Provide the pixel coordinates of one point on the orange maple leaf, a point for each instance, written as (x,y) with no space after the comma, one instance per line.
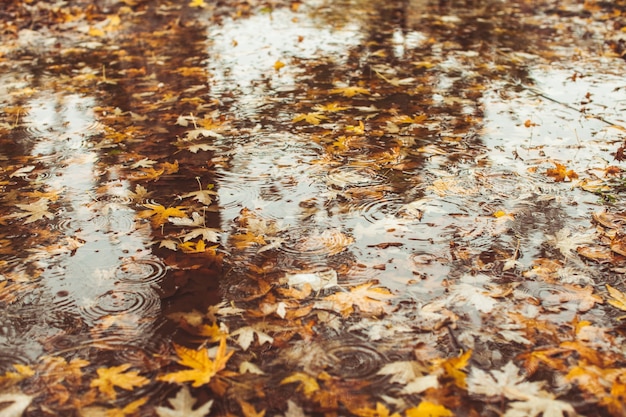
(109,378)
(560,173)
(367,299)
(202,367)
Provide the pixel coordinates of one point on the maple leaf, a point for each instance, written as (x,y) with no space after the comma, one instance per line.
(453,368)
(566,242)
(428,409)
(311,118)
(159,215)
(197,247)
(506,382)
(245,336)
(207,233)
(357,129)
(560,173)
(182,406)
(546,406)
(203,196)
(139,194)
(330,107)
(350,91)
(109,378)
(367,299)
(550,357)
(202,367)
(466,293)
(244,240)
(618,298)
(33,212)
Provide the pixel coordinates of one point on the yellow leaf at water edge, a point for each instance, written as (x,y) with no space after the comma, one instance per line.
(109,378)
(202,367)
(618,298)
(428,409)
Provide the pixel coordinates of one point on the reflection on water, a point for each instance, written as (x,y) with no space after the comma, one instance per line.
(427,159)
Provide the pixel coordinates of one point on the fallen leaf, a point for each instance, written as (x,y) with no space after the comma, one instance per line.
(428,409)
(33,212)
(369,300)
(311,118)
(618,298)
(350,91)
(202,367)
(182,406)
(159,215)
(109,378)
(561,173)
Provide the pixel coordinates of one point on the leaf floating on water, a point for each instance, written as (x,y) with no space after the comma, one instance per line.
(33,212)
(116,376)
(203,368)
(561,173)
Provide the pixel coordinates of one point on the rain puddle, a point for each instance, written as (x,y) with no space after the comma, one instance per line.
(312,208)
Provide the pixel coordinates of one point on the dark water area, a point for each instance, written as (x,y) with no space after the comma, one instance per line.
(352,208)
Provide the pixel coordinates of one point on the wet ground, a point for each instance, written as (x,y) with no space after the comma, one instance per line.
(314,208)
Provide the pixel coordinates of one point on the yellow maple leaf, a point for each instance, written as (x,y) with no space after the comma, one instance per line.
(109,378)
(428,409)
(367,299)
(453,368)
(350,91)
(618,298)
(202,367)
(244,240)
(308,384)
(197,247)
(158,214)
(311,118)
(357,129)
(330,107)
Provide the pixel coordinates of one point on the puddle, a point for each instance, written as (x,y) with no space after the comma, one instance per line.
(352,208)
